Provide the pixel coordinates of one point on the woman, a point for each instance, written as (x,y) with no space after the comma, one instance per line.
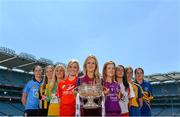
(30,97)
(58,76)
(147,91)
(136,102)
(44,91)
(66,90)
(126,90)
(91,76)
(111,90)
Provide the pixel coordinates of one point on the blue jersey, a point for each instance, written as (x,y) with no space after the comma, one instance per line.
(32,91)
(147,91)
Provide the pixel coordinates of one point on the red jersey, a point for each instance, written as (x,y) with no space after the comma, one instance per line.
(67,98)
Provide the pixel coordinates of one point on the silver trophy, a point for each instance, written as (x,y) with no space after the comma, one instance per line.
(90,92)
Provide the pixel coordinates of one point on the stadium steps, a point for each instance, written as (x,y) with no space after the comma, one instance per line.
(168,111)
(3,114)
(9,110)
(15,106)
(156,111)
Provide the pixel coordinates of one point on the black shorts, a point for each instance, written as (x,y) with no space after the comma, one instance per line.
(31,112)
(43,112)
(91,112)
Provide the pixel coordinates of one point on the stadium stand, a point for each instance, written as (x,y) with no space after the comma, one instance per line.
(16,71)
(14,78)
(166,91)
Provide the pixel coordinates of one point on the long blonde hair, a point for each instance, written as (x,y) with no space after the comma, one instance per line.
(54,78)
(70,63)
(96,73)
(45,77)
(104,70)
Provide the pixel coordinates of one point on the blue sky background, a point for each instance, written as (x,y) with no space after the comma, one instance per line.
(137,33)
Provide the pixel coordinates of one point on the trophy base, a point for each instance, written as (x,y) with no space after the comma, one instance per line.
(90,106)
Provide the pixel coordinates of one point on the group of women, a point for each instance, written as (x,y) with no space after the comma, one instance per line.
(57,93)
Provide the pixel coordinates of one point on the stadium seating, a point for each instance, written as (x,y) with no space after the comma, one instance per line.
(167,111)
(166,99)
(14,78)
(166,89)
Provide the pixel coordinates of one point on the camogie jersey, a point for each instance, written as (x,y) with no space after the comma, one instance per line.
(67,98)
(32,91)
(147,97)
(111,99)
(138,94)
(87,80)
(54,103)
(134,109)
(125,98)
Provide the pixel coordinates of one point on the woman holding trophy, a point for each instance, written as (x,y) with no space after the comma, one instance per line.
(90,101)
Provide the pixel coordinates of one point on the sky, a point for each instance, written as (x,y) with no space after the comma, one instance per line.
(137,33)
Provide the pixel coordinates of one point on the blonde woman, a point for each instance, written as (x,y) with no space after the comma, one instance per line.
(58,76)
(91,71)
(44,91)
(91,76)
(67,88)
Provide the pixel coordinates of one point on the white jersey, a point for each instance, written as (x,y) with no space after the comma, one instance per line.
(123,102)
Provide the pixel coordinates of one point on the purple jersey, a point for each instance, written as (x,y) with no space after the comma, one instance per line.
(111,99)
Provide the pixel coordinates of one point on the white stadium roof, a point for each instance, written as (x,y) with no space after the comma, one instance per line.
(172,76)
(22,61)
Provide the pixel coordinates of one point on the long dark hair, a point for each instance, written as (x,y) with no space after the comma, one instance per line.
(139,69)
(125,82)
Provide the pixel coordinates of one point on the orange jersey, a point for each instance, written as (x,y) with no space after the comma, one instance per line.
(67,98)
